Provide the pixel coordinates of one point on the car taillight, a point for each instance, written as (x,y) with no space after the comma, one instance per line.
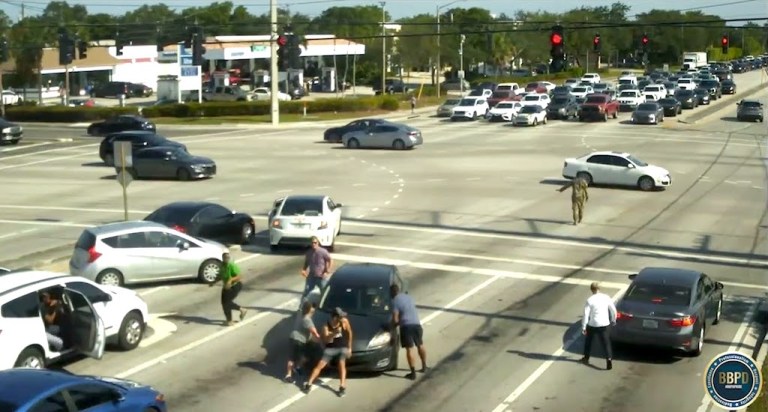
(93,255)
(683,322)
(277,224)
(623,316)
(181,229)
(413,134)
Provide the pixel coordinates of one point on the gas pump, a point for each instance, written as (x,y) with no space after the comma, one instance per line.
(260,78)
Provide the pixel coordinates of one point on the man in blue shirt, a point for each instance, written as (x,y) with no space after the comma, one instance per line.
(405,315)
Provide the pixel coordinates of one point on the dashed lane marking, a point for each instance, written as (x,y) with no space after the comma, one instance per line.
(247,194)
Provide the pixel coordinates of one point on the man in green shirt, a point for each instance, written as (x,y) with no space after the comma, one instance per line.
(229,275)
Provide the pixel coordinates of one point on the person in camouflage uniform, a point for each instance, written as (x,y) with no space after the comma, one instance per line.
(579,196)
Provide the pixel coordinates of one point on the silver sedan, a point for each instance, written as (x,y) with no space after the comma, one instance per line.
(393,136)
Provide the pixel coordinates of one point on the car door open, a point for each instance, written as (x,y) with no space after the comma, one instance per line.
(87,328)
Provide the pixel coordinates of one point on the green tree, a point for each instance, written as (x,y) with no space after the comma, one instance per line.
(417,43)
(26,41)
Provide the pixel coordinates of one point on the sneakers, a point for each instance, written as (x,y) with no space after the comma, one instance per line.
(306,388)
(243,312)
(609,364)
(411,376)
(342,392)
(289,379)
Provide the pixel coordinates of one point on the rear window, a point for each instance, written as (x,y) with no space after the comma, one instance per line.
(647,107)
(172,216)
(661,294)
(750,104)
(293,207)
(504,88)
(560,100)
(596,99)
(86,241)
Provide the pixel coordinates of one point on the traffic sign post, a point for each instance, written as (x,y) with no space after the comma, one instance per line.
(123,160)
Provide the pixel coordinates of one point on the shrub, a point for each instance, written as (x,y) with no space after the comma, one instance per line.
(64,114)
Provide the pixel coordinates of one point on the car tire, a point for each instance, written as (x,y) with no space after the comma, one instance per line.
(586,176)
(246,233)
(545,120)
(109,160)
(131,331)
(398,145)
(394,362)
(719,312)
(535,122)
(110,277)
(183,174)
(209,271)
(30,358)
(646,184)
(353,144)
(15,141)
(699,341)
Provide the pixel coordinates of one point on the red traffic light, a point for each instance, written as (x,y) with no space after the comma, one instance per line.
(596,40)
(282,41)
(725,41)
(645,39)
(556,39)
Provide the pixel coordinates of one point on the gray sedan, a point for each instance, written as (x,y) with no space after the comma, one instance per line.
(393,136)
(648,113)
(671,308)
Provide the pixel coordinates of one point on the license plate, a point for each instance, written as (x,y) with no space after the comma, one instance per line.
(650,324)
(301,225)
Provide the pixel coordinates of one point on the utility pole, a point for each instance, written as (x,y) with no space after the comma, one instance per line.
(461,67)
(273,72)
(383,48)
(3,59)
(438,70)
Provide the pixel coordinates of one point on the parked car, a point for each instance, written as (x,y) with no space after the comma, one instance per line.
(616,168)
(598,106)
(207,220)
(470,108)
(135,252)
(561,91)
(334,134)
(121,123)
(508,87)
(455,84)
(169,162)
(749,110)
(30,390)
(671,106)
(648,113)
(396,136)
(702,95)
(669,308)
(531,115)
(294,220)
(478,92)
(264,94)
(128,89)
(105,315)
(223,94)
(139,140)
(391,86)
(581,91)
(658,91)
(687,98)
(10,132)
(446,109)
(499,96)
(361,290)
(728,86)
(591,77)
(535,99)
(562,107)
(504,111)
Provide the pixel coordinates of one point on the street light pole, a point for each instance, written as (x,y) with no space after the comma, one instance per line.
(383,48)
(461,66)
(438,69)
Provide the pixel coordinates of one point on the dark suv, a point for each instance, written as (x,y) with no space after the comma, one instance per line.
(115,89)
(391,85)
(713,87)
(750,111)
(139,140)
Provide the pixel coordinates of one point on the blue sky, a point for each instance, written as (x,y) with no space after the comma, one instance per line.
(400,8)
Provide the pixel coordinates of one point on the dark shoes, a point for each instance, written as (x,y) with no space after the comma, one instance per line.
(608,362)
(342,392)
(306,388)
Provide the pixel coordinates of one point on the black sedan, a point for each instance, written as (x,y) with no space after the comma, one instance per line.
(671,308)
(728,87)
(139,140)
(169,162)
(687,99)
(362,290)
(10,132)
(648,113)
(749,110)
(702,95)
(334,134)
(120,123)
(671,106)
(206,220)
(713,87)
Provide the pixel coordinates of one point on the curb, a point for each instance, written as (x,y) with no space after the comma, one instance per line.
(714,108)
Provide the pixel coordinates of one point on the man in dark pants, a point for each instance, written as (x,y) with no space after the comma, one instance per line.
(405,315)
(229,275)
(599,314)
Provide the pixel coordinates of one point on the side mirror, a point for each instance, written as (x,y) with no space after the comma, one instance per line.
(184,245)
(338,205)
(719,286)
(630,166)
(632,276)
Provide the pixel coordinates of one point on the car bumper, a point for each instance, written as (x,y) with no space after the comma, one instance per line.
(645,120)
(627,107)
(663,181)
(592,115)
(729,91)
(688,105)
(88,271)
(10,137)
(683,340)
(523,122)
(749,117)
(444,113)
(462,116)
(299,237)
(500,118)
(670,111)
(202,174)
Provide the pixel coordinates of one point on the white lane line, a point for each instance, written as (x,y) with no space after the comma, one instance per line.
(13,149)
(44,223)
(730,182)
(706,401)
(757,187)
(247,194)
(375,209)
(322,187)
(42,152)
(49,160)
(285,191)
(532,378)
(434,180)
(359,184)
(200,342)
(387,202)
(473,179)
(72,209)
(210,199)
(161,329)
(18,233)
(360,216)
(396,196)
(153,290)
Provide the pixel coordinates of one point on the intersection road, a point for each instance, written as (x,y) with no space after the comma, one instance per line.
(483,241)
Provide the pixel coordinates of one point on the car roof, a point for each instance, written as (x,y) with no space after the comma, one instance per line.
(364,273)
(110,228)
(608,152)
(16,279)
(304,197)
(187,205)
(668,276)
(132,133)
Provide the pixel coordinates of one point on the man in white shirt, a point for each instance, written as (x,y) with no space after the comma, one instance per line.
(599,314)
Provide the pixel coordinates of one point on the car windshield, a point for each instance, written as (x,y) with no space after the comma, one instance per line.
(579,89)
(709,83)
(180,154)
(560,100)
(452,102)
(751,104)
(168,215)
(646,107)
(467,102)
(601,86)
(661,294)
(504,87)
(356,299)
(529,109)
(637,161)
(667,101)
(505,105)
(628,94)
(302,206)
(531,98)
(595,99)
(532,85)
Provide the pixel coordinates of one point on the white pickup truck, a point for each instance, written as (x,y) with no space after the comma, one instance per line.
(657,90)
(629,99)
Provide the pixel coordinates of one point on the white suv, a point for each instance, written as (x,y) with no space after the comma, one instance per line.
(470,108)
(591,77)
(94,317)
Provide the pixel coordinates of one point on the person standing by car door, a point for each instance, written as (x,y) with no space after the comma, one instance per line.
(337,334)
(316,269)
(579,197)
(229,275)
(405,315)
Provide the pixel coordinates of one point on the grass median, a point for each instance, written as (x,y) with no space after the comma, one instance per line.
(761,403)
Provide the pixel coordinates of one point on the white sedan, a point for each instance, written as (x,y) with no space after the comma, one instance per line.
(535,99)
(263,93)
(295,220)
(616,168)
(10,97)
(531,116)
(504,111)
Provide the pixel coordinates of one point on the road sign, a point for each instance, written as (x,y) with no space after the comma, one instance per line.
(256,48)
(124,178)
(123,154)
(186,61)
(461,74)
(190,71)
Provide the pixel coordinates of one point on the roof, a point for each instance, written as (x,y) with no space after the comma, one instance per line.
(187,205)
(120,226)
(97,57)
(363,273)
(669,276)
(608,152)
(23,385)
(16,279)
(305,197)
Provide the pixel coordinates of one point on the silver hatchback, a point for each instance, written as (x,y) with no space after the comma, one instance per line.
(137,252)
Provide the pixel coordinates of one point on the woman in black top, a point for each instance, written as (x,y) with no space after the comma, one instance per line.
(337,335)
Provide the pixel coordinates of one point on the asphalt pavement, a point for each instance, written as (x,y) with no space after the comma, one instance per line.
(482,239)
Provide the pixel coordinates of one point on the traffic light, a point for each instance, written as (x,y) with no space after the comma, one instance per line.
(3,50)
(724,43)
(66,47)
(557,40)
(644,42)
(198,46)
(282,52)
(294,52)
(596,43)
(82,49)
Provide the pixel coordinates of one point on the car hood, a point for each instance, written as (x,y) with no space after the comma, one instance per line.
(123,383)
(199,160)
(502,110)
(557,105)
(655,170)
(364,327)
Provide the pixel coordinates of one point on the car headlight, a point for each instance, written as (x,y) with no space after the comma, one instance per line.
(197,168)
(380,340)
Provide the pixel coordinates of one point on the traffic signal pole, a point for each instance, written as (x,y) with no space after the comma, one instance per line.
(273,72)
